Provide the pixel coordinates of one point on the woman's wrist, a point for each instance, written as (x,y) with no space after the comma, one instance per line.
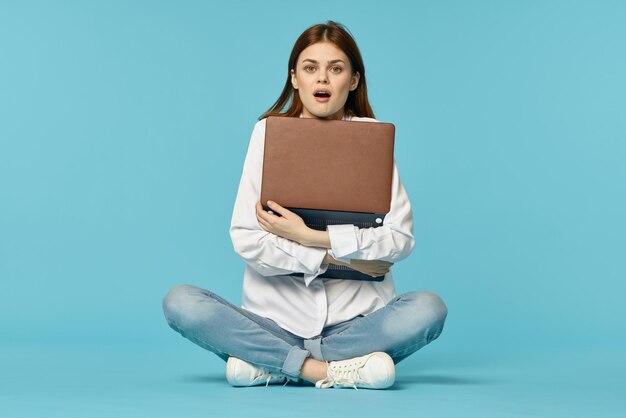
(314,238)
(331,260)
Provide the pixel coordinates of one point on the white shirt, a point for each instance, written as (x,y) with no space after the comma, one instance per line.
(305,305)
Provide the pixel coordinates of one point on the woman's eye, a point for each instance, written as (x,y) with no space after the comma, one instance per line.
(309,68)
(336,69)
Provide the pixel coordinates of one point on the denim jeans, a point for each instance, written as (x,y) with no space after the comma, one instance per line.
(406,324)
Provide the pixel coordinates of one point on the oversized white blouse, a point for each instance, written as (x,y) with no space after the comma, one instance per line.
(305,305)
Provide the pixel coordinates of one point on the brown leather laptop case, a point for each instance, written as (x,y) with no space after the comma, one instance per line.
(329,171)
(328,164)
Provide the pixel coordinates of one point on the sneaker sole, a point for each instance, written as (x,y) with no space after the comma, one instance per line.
(231,369)
(391,372)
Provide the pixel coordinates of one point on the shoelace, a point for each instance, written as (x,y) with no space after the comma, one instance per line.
(270,376)
(346,375)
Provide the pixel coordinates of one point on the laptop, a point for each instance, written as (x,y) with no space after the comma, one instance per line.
(329,172)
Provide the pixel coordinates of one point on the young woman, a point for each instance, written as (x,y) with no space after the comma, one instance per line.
(331,332)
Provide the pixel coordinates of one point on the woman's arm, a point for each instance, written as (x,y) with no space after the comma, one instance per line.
(373,268)
(291,226)
(392,241)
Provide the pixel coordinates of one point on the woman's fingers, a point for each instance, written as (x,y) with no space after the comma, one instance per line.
(263,224)
(375,264)
(277,208)
(261,214)
(260,217)
(371,267)
(274,213)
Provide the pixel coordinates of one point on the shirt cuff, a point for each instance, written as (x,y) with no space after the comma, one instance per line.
(330,253)
(312,259)
(308,278)
(343,241)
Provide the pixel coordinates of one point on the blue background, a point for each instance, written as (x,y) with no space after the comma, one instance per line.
(123,130)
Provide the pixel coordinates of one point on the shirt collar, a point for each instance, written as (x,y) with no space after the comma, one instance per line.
(345,116)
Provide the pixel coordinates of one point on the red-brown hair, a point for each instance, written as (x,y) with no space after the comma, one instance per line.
(357,103)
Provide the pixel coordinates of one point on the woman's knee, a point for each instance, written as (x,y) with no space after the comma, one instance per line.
(428,305)
(178,302)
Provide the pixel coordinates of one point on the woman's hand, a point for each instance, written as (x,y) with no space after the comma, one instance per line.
(372,268)
(290,226)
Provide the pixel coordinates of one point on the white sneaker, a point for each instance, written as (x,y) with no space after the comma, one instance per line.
(372,371)
(242,373)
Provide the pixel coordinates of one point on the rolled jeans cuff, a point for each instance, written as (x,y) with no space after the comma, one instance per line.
(293,362)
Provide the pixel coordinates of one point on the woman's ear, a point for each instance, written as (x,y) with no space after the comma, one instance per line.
(354,81)
(294,80)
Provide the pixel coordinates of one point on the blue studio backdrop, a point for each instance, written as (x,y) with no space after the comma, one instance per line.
(123,131)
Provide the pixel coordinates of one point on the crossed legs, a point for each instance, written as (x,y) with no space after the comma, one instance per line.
(406,324)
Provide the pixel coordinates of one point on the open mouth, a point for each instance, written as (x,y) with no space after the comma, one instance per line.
(322,95)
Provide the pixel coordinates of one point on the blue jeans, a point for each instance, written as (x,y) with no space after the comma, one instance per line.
(406,324)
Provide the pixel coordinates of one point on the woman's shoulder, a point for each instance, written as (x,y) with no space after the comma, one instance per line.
(258,130)
(260,123)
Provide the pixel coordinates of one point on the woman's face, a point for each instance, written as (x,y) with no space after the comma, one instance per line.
(323,77)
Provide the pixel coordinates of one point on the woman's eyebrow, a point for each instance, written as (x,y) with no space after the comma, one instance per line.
(315,62)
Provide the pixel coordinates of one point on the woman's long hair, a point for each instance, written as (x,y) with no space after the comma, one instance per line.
(357,103)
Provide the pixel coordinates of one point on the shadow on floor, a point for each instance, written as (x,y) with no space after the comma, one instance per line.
(402,382)
(406,382)
(211,378)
